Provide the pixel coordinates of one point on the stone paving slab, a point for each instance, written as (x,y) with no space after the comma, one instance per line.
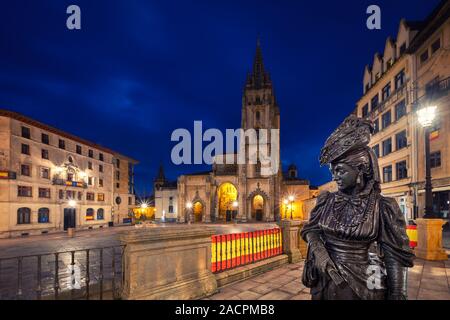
(427,280)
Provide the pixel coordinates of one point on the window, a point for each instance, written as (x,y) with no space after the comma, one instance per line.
(43,215)
(79,151)
(171,209)
(400,140)
(91,153)
(45,139)
(365,110)
(100,182)
(117,163)
(25,149)
(90,181)
(69,176)
(400,79)
(435,46)
(23,191)
(130,201)
(61,194)
(26,132)
(44,173)
(377,76)
(387,146)
(61,144)
(80,195)
(23,215)
(117,185)
(435,159)
(376,126)
(387,174)
(118,175)
(100,168)
(90,196)
(376,150)
(402,172)
(70,195)
(367,87)
(44,154)
(400,110)
(25,170)
(44,193)
(386,119)
(424,56)
(70,159)
(100,214)
(402,48)
(100,197)
(386,91)
(390,62)
(257,115)
(90,165)
(374,102)
(432,86)
(90,214)
(100,157)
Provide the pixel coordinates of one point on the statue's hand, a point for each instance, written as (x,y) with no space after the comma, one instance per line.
(322,260)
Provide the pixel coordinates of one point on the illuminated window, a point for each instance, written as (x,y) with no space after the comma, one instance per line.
(90,214)
(100,197)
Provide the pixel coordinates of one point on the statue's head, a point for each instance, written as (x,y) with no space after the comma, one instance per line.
(352,163)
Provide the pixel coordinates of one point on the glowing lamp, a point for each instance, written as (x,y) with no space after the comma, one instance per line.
(426,115)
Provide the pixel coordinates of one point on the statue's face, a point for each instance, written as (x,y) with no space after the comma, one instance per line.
(344,175)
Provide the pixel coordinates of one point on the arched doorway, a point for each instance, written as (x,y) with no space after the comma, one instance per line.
(226,196)
(257,207)
(197,209)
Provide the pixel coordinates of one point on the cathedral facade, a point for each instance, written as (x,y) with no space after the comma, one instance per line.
(241,191)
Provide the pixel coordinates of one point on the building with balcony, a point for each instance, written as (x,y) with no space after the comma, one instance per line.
(51,180)
(413,67)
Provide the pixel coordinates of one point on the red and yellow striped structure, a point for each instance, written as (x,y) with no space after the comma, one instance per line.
(411,231)
(233,250)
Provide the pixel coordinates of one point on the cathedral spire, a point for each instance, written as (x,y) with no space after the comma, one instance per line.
(258,78)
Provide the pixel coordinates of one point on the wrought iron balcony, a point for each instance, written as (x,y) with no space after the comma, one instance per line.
(433,92)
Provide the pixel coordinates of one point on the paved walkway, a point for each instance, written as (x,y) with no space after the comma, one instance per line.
(427,280)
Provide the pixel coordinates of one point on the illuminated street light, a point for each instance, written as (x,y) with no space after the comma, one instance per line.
(235,204)
(426,116)
(72,203)
(144,205)
(189,205)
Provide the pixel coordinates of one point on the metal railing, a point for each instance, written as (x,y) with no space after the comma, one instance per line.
(229,251)
(93,273)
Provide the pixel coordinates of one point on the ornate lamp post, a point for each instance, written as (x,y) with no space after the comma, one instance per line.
(429,229)
(426,117)
(291,200)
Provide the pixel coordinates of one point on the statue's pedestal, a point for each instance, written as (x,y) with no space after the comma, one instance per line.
(429,239)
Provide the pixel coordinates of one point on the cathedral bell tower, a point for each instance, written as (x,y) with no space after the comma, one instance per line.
(259,108)
(260,111)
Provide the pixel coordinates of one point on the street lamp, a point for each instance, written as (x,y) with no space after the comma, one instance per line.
(426,116)
(72,203)
(286,202)
(291,200)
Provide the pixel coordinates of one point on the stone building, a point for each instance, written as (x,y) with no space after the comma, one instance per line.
(166,198)
(51,180)
(412,66)
(243,191)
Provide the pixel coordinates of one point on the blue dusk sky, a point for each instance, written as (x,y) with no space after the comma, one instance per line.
(137,70)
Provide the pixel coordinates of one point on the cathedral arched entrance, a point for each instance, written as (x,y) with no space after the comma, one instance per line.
(197,210)
(257,212)
(226,197)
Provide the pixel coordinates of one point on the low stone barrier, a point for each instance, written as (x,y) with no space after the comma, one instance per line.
(172,263)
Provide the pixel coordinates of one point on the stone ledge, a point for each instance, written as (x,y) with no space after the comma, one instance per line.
(250,270)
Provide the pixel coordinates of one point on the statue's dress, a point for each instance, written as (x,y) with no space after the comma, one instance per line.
(359,232)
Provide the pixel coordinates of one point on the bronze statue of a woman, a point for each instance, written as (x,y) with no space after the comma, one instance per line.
(357,242)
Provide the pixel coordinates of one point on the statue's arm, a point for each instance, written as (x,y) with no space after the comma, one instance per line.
(395,249)
(311,233)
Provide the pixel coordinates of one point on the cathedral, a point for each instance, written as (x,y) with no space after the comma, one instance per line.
(238,191)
